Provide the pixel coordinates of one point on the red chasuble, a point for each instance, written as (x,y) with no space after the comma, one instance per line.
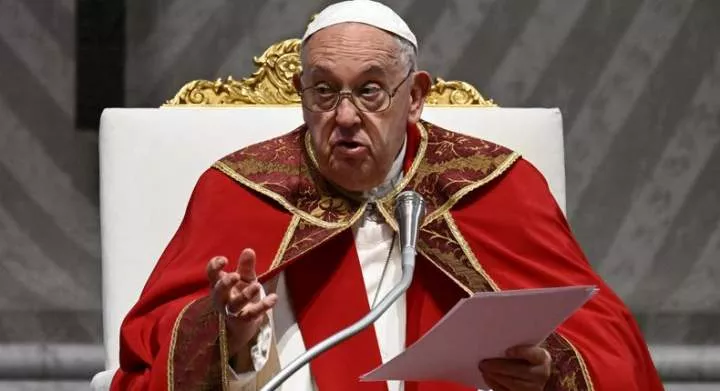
(491,224)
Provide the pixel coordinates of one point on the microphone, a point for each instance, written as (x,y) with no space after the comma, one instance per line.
(409,212)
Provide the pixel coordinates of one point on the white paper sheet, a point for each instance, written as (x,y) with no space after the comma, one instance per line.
(481,327)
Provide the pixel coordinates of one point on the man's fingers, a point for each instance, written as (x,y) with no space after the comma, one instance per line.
(526,368)
(533,354)
(246,265)
(256,309)
(242,295)
(508,368)
(222,288)
(214,267)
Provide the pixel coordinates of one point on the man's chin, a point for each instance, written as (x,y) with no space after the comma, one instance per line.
(352,175)
(352,180)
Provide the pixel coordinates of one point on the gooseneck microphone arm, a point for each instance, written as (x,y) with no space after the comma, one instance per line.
(409,212)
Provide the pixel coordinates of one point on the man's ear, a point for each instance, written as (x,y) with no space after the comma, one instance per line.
(296,82)
(419,90)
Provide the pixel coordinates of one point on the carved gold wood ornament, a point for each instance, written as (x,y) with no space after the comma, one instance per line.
(272,84)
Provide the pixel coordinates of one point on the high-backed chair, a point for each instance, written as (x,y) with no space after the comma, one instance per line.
(151,158)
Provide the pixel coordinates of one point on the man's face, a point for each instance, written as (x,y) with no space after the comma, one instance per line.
(355,149)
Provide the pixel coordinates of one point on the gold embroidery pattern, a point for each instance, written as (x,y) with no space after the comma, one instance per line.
(196,354)
(446,167)
(467,251)
(278,168)
(421,249)
(224,353)
(287,238)
(453,166)
(173,344)
(306,238)
(581,361)
(301,237)
(568,371)
(440,246)
(457,162)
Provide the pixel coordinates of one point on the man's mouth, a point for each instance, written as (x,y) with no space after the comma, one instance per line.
(349,145)
(350,149)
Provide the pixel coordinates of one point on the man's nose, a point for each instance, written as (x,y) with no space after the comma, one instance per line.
(346,114)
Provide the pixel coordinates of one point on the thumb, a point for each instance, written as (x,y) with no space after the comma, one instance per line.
(246,265)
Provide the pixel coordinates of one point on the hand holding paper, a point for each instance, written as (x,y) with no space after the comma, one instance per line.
(525,368)
(481,327)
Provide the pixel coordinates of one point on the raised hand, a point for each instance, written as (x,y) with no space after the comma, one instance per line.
(237,295)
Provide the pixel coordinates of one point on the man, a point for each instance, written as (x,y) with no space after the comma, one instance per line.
(299,235)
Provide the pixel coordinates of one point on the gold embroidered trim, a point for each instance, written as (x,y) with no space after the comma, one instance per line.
(286,241)
(468,251)
(581,361)
(450,276)
(224,353)
(280,199)
(171,353)
(279,261)
(282,262)
(310,150)
(467,189)
(227,170)
(350,223)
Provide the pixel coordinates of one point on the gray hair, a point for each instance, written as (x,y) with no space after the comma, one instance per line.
(406,53)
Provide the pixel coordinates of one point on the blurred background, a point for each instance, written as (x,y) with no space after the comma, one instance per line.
(637,81)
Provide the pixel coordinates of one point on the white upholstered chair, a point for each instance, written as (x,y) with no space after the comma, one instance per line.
(150,160)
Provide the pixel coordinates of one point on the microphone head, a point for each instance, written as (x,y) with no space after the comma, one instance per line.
(409,213)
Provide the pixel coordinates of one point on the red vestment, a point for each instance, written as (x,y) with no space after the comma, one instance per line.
(492,224)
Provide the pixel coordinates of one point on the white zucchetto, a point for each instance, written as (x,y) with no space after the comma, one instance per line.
(361,11)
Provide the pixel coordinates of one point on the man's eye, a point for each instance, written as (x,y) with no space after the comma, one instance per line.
(323,90)
(370,91)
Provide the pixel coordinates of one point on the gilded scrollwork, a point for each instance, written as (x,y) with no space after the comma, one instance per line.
(272,84)
(456,93)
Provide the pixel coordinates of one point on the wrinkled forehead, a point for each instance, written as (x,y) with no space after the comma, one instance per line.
(351,46)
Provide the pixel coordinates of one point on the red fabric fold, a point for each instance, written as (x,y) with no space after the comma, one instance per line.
(521,237)
(328,294)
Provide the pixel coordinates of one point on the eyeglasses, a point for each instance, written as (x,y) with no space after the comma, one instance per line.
(369,99)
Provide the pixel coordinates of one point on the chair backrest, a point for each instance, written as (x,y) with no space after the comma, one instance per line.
(150,159)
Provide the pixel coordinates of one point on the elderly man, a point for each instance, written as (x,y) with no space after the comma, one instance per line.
(300,243)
